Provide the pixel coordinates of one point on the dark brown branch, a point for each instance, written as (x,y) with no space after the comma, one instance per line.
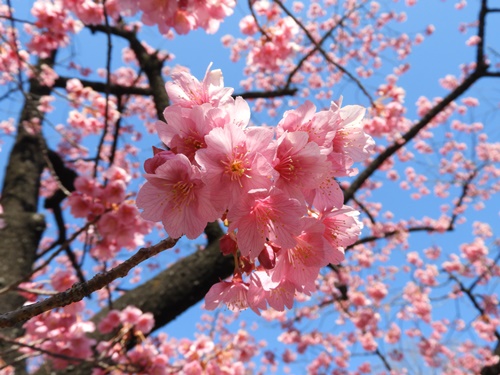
(481,32)
(267,94)
(472,299)
(365,210)
(114,146)
(82,290)
(13,35)
(391,234)
(65,243)
(40,350)
(149,63)
(101,87)
(495,368)
(476,282)
(465,190)
(262,31)
(65,178)
(408,136)
(383,359)
(17,19)
(106,90)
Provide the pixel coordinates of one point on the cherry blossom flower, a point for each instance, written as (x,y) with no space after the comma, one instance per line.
(186,91)
(233,294)
(262,215)
(176,196)
(342,228)
(234,162)
(280,197)
(299,163)
(263,291)
(320,126)
(301,264)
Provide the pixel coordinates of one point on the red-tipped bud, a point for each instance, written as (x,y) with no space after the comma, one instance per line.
(227,245)
(267,257)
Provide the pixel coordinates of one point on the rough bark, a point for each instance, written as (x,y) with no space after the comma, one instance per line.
(21,226)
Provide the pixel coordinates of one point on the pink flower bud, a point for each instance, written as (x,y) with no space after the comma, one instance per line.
(160,157)
(267,257)
(227,245)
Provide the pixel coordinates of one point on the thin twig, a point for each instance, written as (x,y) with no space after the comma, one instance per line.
(321,41)
(106,91)
(252,11)
(325,55)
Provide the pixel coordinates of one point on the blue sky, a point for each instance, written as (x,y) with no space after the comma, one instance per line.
(439,55)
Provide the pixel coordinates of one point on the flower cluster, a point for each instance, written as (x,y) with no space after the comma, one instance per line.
(183,16)
(269,52)
(119,224)
(52,27)
(275,188)
(61,333)
(223,352)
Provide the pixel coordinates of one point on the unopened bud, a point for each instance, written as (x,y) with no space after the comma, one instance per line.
(227,245)
(267,257)
(159,158)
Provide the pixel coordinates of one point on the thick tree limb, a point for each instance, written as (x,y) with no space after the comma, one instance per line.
(22,226)
(120,90)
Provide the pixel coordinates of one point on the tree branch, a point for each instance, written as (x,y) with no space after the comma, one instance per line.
(408,136)
(267,94)
(320,43)
(149,63)
(114,89)
(324,54)
(82,290)
(20,236)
